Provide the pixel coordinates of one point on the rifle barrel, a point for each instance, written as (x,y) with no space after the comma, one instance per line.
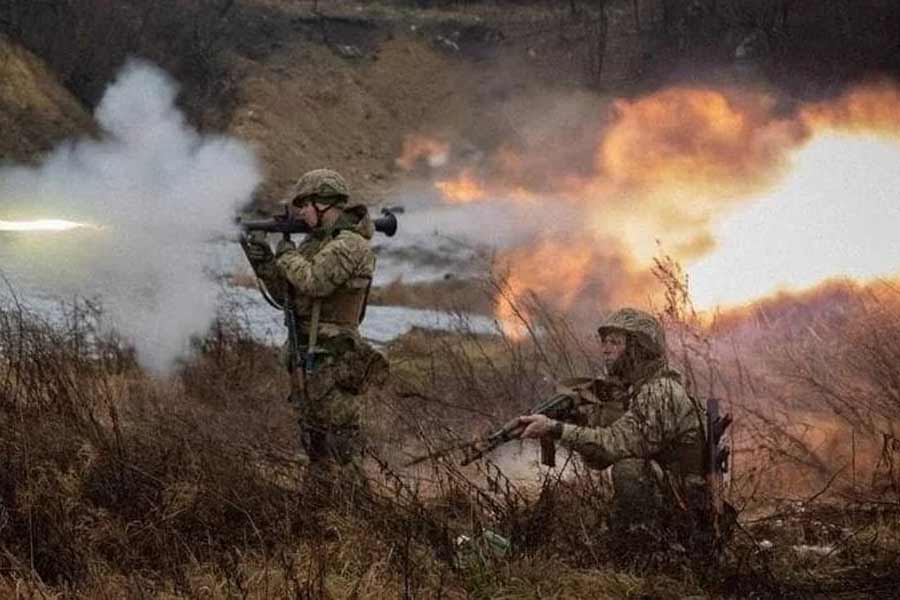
(555,407)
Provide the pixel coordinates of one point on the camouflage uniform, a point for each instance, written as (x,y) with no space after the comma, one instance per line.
(652,435)
(333,266)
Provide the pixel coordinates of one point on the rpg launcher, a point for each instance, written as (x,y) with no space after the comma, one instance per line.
(286,225)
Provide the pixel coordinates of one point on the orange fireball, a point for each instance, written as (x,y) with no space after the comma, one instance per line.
(418,147)
(750,198)
(462,190)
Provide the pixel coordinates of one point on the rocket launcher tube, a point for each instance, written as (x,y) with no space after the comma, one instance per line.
(286,225)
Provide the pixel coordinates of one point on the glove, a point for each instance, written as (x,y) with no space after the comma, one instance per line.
(257,250)
(284,246)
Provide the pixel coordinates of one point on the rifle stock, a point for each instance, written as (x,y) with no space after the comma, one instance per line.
(715,462)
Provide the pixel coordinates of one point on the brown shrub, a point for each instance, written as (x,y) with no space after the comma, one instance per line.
(103,465)
(466,295)
(843,368)
(121,484)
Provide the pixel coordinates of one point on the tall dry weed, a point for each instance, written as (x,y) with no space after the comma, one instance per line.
(846,367)
(102,465)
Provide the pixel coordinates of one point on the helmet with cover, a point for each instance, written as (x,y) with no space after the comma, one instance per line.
(323,186)
(643,327)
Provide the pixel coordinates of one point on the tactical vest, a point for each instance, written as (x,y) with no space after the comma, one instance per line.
(685,458)
(347,305)
(595,394)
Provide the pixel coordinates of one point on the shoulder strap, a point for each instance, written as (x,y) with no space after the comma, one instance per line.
(365,302)
(309,365)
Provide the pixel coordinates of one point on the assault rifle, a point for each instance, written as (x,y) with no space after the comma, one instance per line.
(562,406)
(559,406)
(285,224)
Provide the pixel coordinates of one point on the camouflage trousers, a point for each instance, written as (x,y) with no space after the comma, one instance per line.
(652,513)
(329,404)
(330,432)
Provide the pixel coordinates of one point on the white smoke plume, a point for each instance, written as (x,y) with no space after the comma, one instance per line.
(158,191)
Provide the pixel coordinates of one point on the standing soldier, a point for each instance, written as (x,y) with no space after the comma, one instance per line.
(323,284)
(655,442)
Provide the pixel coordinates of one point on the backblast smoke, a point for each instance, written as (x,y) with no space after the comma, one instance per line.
(156,192)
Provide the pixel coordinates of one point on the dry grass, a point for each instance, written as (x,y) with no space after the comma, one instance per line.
(116,484)
(467,295)
(119,485)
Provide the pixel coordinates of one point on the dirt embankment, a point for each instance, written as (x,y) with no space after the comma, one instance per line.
(344,90)
(36,111)
(341,87)
(308,107)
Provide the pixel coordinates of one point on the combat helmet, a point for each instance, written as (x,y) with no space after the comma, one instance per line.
(644,327)
(323,185)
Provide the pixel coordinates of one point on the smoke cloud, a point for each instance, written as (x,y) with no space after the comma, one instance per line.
(157,191)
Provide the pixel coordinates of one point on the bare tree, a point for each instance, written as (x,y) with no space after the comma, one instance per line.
(598,36)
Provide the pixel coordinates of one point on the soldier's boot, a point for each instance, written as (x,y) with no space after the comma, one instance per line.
(335,472)
(346,447)
(316,487)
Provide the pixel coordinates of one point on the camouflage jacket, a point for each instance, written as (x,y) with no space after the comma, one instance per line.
(661,422)
(335,266)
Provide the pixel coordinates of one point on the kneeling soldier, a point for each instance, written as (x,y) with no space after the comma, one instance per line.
(655,443)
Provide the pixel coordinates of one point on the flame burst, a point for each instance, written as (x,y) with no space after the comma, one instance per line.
(562,273)
(463,189)
(835,215)
(49,225)
(418,147)
(752,199)
(537,270)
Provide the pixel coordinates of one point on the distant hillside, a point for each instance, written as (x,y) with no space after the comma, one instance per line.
(342,83)
(36,111)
